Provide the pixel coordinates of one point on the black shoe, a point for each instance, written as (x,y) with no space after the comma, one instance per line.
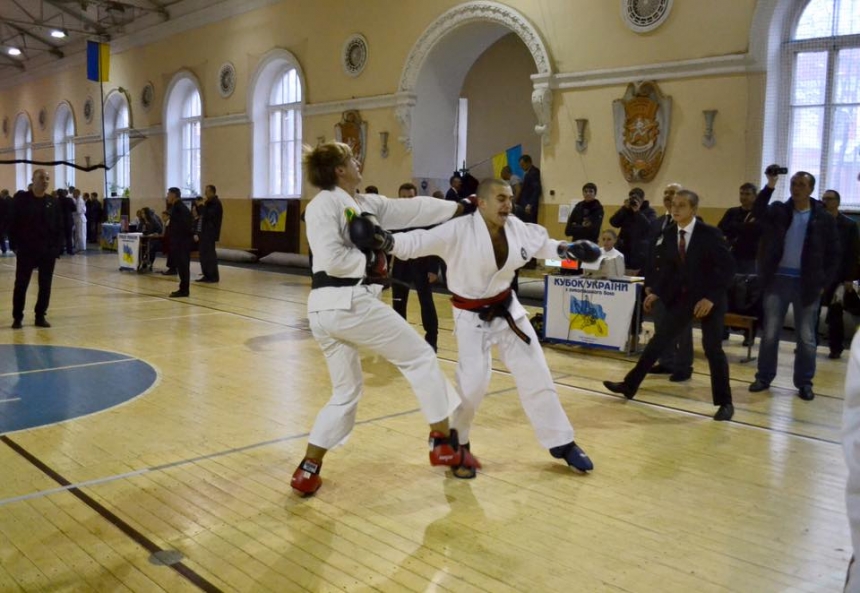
(574,456)
(620,387)
(659,369)
(805,393)
(835,355)
(757,386)
(678,377)
(179,293)
(725,412)
(42,322)
(16,324)
(169,273)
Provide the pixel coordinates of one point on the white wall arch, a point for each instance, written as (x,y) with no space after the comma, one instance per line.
(182,130)
(434,72)
(118,120)
(23,142)
(272,66)
(64,144)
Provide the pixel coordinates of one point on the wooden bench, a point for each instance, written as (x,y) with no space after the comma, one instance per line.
(746,322)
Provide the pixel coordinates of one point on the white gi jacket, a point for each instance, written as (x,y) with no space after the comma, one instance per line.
(336,255)
(465,245)
(851,449)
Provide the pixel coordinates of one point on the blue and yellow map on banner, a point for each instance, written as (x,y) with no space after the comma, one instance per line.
(587,317)
(273,215)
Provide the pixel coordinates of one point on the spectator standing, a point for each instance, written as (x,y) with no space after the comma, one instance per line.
(527,205)
(181,234)
(742,230)
(634,221)
(586,219)
(210,233)
(847,272)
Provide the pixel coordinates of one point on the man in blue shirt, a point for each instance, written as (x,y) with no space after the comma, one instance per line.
(798,260)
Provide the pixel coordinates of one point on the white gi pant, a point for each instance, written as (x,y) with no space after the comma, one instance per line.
(80,236)
(374,325)
(527,364)
(851,449)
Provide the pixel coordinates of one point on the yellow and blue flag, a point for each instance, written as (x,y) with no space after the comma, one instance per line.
(98,61)
(509,158)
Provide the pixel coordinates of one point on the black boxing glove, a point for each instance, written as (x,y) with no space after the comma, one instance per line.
(582,250)
(469,204)
(369,236)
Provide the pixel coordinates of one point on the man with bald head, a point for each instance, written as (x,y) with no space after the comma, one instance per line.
(36,230)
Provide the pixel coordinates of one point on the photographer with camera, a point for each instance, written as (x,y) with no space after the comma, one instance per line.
(634,220)
(798,259)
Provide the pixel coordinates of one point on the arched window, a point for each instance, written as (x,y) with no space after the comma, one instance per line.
(276,109)
(183,121)
(823,111)
(23,150)
(64,145)
(117,126)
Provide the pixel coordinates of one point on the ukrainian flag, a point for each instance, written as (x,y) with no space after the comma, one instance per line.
(98,61)
(510,158)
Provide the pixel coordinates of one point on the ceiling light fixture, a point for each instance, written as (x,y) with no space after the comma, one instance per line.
(13,51)
(59,33)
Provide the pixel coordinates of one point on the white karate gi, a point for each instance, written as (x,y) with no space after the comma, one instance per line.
(345,318)
(851,448)
(466,246)
(80,224)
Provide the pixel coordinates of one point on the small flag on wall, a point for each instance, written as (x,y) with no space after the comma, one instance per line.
(510,158)
(98,61)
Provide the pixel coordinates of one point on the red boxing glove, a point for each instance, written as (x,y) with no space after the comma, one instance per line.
(469,204)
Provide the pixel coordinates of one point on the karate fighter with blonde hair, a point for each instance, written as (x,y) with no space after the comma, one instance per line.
(345,312)
(483,251)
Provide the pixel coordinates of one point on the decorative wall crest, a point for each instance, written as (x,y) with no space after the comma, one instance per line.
(354,55)
(641,130)
(226,79)
(469,12)
(147,96)
(89,110)
(43,118)
(6,126)
(542,104)
(352,131)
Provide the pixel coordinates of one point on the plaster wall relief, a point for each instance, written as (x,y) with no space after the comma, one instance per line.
(642,118)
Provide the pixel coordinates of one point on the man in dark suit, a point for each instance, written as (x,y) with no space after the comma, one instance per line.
(742,230)
(677,360)
(694,270)
(527,206)
(210,233)
(181,235)
(453,194)
(849,241)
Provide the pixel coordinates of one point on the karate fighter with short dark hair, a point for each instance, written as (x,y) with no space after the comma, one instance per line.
(483,251)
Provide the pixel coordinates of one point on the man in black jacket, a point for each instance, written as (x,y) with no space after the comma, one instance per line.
(742,230)
(586,218)
(849,240)
(210,233)
(36,230)
(798,259)
(527,206)
(181,235)
(694,272)
(634,220)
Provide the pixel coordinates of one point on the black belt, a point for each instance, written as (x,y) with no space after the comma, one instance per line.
(323,280)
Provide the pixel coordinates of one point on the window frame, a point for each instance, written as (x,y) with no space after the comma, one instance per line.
(64,145)
(23,150)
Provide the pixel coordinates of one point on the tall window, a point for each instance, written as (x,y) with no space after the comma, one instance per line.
(285,135)
(64,146)
(190,123)
(23,150)
(183,119)
(276,105)
(117,129)
(824,100)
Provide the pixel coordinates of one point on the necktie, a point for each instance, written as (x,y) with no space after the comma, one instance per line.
(682,246)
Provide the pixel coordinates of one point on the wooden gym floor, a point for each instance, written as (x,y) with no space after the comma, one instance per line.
(200,464)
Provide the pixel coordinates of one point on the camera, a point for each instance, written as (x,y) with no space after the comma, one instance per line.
(776,170)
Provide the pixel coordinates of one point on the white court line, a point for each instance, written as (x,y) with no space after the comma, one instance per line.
(71,366)
(11,399)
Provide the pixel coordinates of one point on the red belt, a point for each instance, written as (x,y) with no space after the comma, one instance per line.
(490,308)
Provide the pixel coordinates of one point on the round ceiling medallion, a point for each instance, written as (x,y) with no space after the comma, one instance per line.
(354,55)
(642,16)
(88,110)
(226,79)
(147,95)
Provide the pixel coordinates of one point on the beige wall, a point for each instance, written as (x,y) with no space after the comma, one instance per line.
(499,90)
(580,35)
